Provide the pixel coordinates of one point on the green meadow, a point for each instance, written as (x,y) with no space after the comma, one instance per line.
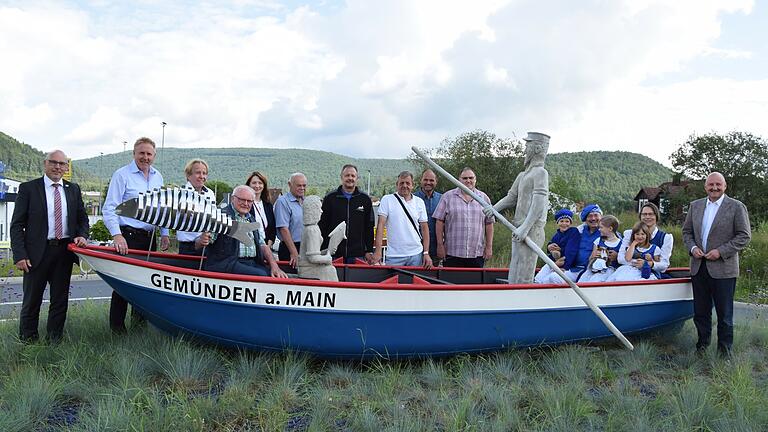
(147,381)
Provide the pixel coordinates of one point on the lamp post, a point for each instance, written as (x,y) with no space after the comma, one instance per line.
(162,143)
(369,182)
(101,173)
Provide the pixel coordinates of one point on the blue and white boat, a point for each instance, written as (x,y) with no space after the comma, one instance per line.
(380,311)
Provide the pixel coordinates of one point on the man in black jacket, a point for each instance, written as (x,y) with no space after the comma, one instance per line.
(48,215)
(349,204)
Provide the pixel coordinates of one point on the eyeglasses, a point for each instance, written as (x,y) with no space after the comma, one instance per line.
(647,214)
(468,178)
(247,201)
(57,163)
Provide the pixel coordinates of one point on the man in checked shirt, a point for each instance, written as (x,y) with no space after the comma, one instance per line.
(464,233)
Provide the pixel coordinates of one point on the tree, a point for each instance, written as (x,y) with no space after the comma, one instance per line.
(496,161)
(740,156)
(221,188)
(100,232)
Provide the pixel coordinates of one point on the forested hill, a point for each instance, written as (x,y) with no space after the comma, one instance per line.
(24,162)
(609,178)
(233,165)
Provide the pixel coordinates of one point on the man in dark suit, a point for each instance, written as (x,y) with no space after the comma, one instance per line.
(49,214)
(715,230)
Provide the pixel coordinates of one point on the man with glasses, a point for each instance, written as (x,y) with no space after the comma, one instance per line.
(228,255)
(464,233)
(289,219)
(48,215)
(126,183)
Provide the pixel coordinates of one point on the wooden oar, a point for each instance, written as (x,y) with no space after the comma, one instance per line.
(533,247)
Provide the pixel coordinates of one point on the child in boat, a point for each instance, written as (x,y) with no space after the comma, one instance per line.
(561,249)
(641,256)
(604,260)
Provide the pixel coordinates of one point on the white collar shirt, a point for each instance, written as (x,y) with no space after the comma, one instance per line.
(49,191)
(710,211)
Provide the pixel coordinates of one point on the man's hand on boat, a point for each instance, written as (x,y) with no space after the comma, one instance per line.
(275,270)
(121,246)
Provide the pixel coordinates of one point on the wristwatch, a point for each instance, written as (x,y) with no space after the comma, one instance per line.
(425,253)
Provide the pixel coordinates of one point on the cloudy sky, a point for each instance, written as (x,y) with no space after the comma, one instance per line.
(371,78)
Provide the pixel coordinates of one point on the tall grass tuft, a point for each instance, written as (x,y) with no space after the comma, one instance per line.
(185,366)
(30,396)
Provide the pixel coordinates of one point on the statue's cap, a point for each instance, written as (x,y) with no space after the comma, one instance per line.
(537,136)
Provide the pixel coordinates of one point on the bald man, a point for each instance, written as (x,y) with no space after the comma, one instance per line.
(715,230)
(49,215)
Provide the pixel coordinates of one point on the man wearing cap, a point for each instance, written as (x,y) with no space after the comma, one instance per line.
(529,196)
(588,232)
(715,230)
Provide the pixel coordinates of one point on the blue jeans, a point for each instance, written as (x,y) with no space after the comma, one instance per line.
(413,260)
(249,266)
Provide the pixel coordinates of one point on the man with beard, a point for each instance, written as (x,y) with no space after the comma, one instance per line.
(353,206)
(431,199)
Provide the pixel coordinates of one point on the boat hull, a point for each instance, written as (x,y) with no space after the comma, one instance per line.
(359,320)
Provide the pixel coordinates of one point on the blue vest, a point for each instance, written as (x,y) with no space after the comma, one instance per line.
(658,239)
(616,249)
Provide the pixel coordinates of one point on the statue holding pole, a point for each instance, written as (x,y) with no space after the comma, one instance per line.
(529,197)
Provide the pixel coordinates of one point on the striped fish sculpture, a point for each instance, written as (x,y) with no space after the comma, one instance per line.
(184,209)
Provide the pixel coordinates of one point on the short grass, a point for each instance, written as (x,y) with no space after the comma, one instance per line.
(752,284)
(147,381)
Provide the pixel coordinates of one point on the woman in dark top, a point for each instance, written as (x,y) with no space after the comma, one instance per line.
(262,208)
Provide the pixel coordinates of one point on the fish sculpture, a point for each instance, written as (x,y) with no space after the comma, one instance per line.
(184,209)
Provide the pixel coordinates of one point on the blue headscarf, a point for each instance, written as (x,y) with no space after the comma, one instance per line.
(589,208)
(564,213)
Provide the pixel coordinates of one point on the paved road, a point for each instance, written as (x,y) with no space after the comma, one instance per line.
(82,288)
(92,287)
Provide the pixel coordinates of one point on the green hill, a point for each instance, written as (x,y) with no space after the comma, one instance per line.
(609,178)
(233,165)
(24,162)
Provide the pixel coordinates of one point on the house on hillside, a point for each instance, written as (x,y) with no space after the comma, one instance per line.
(661,194)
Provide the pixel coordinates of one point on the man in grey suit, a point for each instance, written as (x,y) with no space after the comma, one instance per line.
(715,230)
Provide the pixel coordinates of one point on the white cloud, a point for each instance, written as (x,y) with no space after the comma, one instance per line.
(369,78)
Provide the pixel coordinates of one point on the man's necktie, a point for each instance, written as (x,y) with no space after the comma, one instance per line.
(58,225)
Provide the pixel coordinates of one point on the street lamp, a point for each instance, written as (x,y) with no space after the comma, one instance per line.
(162,143)
(101,173)
(369,182)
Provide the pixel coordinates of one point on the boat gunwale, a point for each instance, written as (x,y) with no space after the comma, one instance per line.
(105,252)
